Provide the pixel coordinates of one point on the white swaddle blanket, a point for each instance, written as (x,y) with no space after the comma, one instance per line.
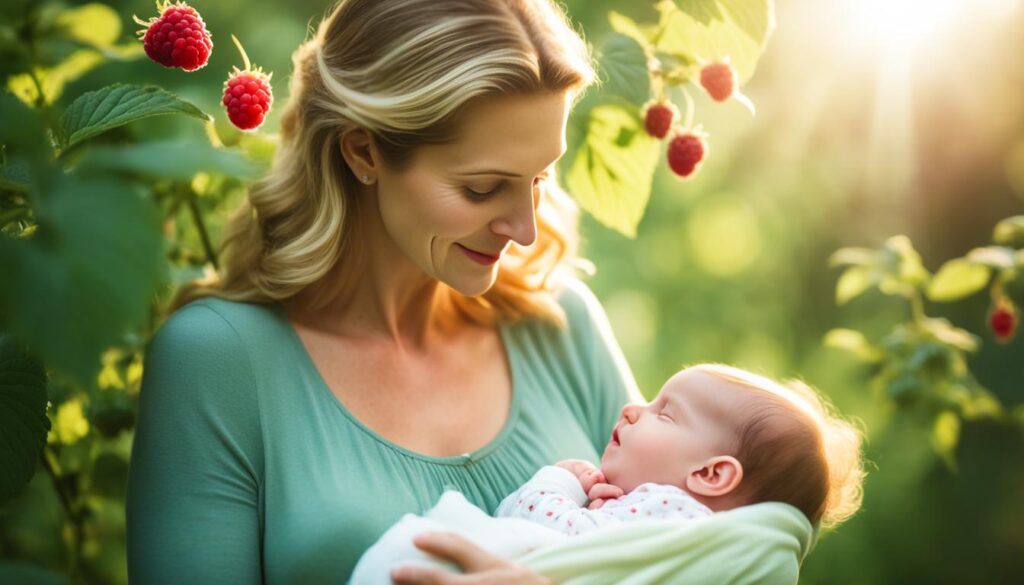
(760,544)
(507,537)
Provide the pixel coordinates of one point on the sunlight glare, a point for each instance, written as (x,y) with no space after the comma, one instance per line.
(897,26)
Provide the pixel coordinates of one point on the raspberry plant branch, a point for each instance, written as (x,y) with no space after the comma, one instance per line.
(71,505)
(197,217)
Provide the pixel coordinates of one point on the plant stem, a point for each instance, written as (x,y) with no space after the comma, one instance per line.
(72,511)
(211,255)
(917,308)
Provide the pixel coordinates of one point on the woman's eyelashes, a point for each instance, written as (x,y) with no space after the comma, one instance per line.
(476,193)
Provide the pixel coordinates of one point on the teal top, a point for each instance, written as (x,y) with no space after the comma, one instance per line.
(246,468)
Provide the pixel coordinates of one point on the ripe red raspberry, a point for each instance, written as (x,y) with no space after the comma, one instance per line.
(685,152)
(177,38)
(247,94)
(719,79)
(1003,320)
(659,117)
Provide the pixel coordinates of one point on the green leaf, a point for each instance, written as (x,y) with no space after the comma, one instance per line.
(854,342)
(25,574)
(852,256)
(612,171)
(625,25)
(54,79)
(957,279)
(948,334)
(716,29)
(94,24)
(179,159)
(23,420)
(86,276)
(95,112)
(993,256)
(909,268)
(1010,232)
(624,70)
(946,436)
(756,19)
(904,389)
(854,281)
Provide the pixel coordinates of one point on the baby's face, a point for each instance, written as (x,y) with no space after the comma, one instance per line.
(664,441)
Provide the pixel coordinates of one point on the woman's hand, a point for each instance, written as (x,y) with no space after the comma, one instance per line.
(480,566)
(586,472)
(602,492)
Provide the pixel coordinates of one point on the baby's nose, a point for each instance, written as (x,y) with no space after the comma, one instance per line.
(629,412)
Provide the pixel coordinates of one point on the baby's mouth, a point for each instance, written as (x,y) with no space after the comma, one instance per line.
(615,435)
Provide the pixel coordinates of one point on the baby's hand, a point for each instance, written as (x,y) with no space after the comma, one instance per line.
(601,492)
(586,472)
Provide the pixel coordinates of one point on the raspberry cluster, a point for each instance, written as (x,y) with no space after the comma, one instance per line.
(1003,320)
(177,38)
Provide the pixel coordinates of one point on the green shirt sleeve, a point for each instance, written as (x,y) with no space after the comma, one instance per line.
(193,497)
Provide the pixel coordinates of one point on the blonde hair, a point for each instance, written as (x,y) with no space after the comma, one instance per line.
(404,70)
(795,448)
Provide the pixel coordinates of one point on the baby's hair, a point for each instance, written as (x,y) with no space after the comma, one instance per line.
(796,448)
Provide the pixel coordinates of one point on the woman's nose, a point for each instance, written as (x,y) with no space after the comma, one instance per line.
(519,222)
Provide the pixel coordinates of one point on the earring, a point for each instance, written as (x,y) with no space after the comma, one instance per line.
(366,179)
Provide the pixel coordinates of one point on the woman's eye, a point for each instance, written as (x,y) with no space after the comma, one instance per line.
(481,195)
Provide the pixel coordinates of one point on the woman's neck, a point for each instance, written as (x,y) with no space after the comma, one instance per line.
(387,299)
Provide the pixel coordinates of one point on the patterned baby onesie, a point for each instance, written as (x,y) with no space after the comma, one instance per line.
(555,498)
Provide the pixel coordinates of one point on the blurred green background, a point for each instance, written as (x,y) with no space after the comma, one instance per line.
(874,118)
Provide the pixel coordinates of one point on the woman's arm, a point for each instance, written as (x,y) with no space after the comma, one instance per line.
(193,487)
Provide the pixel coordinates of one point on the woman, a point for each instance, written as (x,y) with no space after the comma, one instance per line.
(392,318)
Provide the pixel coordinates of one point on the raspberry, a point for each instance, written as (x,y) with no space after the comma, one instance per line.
(177,38)
(685,152)
(658,118)
(247,94)
(719,79)
(1003,320)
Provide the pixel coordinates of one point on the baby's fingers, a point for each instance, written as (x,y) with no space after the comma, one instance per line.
(604,491)
(595,504)
(589,479)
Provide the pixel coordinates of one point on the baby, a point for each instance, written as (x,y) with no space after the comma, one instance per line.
(715,438)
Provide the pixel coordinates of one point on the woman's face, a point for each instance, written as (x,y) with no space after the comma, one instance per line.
(454,211)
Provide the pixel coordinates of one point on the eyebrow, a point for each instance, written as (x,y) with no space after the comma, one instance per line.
(509,174)
(492,172)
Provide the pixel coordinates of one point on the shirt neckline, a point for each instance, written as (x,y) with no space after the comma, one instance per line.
(511,358)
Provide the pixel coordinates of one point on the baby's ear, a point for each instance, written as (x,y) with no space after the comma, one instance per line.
(718,477)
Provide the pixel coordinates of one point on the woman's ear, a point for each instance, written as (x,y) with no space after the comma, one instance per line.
(359,152)
(718,477)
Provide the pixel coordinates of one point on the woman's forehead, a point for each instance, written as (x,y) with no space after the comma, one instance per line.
(516,135)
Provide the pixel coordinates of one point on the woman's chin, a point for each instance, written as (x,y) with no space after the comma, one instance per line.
(471,286)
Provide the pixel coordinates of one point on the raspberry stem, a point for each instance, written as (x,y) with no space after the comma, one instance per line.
(245,58)
(689,108)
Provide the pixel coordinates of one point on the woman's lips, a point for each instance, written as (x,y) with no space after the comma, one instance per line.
(479,257)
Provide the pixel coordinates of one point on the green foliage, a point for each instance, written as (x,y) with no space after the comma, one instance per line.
(617,157)
(98,111)
(922,364)
(611,161)
(85,203)
(23,420)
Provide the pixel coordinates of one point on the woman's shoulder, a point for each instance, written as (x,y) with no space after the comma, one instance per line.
(217,328)
(213,316)
(577,300)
